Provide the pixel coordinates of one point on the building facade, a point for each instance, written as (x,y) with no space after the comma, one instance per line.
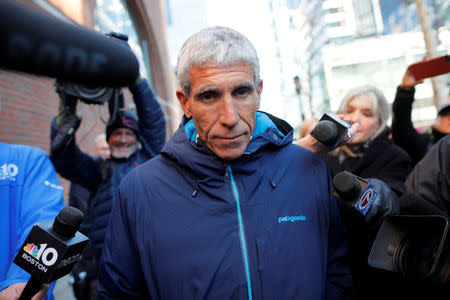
(340,44)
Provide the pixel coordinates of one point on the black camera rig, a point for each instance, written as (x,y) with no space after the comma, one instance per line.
(91,94)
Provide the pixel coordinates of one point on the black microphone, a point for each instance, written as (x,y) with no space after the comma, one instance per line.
(354,190)
(371,198)
(51,250)
(330,130)
(36,43)
(325,132)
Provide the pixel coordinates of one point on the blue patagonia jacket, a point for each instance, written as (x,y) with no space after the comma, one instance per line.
(102,177)
(29,193)
(188,225)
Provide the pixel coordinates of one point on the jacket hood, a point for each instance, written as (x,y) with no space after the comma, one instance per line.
(189,151)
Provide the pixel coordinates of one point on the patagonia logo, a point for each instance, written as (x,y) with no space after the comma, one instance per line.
(291,219)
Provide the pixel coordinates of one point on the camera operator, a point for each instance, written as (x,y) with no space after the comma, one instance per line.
(430,180)
(403,132)
(131,141)
(428,187)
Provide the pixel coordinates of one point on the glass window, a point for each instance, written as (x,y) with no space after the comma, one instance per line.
(115,15)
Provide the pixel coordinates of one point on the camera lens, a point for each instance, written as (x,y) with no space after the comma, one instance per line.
(89,92)
(415,256)
(92,94)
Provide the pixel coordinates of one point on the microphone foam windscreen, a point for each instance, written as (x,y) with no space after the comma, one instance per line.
(68,221)
(34,42)
(346,185)
(325,132)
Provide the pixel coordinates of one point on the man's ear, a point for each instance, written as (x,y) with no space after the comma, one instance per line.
(184,103)
(259,89)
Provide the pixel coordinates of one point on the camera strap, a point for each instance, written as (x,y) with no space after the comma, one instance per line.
(116,104)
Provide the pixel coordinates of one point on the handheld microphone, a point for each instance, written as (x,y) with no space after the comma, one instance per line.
(33,42)
(330,130)
(51,250)
(371,198)
(354,190)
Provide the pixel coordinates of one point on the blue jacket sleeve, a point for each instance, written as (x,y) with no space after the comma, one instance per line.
(75,165)
(339,278)
(152,124)
(40,198)
(120,274)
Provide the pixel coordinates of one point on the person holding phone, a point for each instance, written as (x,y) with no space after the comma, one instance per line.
(403,132)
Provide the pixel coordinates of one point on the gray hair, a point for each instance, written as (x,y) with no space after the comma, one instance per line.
(100,137)
(222,45)
(380,106)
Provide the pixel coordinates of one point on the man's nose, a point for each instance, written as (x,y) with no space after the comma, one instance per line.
(122,138)
(229,112)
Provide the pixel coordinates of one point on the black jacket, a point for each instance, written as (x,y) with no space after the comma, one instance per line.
(431,176)
(403,132)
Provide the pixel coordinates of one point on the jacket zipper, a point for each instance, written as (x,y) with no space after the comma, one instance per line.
(241,232)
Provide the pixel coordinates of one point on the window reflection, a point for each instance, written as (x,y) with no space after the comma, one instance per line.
(113,15)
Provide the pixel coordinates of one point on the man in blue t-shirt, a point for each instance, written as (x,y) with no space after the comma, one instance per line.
(30,193)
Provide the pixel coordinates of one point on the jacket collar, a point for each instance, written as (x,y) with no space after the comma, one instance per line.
(262,123)
(188,150)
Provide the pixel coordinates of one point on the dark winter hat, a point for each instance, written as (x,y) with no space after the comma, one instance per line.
(444,109)
(123,120)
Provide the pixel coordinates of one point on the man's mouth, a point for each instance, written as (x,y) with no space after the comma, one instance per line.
(123,146)
(231,137)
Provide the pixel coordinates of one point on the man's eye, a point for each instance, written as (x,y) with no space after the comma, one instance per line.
(242,91)
(207,96)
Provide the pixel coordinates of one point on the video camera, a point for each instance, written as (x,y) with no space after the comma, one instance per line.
(90,94)
(415,246)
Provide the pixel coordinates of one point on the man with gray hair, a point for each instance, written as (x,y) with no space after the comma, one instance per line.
(230,209)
